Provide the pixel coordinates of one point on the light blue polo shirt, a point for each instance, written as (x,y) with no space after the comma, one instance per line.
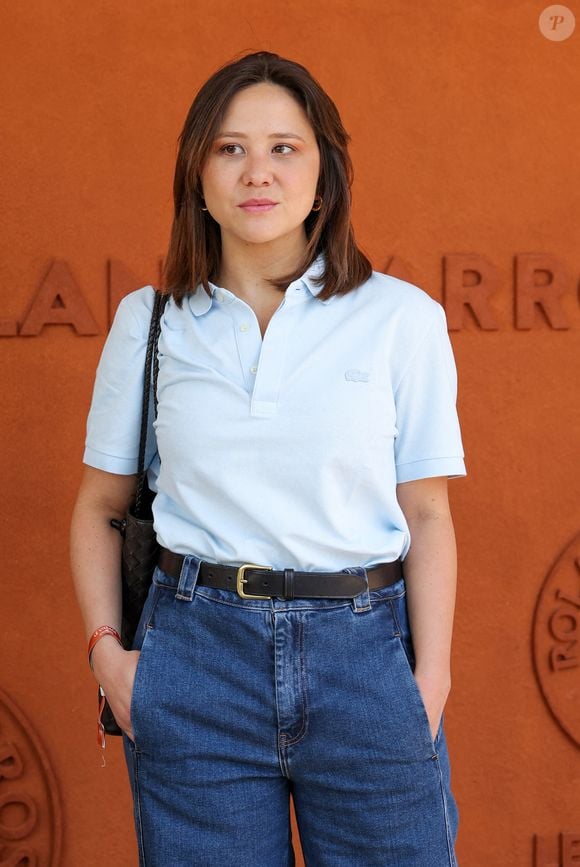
(284,451)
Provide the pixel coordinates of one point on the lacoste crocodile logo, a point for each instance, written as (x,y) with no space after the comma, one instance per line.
(355,375)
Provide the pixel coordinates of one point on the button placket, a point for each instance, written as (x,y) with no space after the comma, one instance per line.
(248,340)
(270,368)
(262,359)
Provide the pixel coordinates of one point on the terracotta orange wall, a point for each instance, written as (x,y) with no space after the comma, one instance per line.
(465,127)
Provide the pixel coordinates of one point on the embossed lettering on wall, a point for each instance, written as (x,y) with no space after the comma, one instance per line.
(562,850)
(470,282)
(30,816)
(59,300)
(556,641)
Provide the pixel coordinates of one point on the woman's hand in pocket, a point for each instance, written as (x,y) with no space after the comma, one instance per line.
(434,692)
(115,670)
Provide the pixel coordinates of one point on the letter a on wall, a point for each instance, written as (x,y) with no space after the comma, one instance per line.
(59,301)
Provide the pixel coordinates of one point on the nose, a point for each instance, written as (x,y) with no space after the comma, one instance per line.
(257,170)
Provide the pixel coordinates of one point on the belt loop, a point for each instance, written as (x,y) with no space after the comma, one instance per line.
(188,578)
(288,583)
(362,601)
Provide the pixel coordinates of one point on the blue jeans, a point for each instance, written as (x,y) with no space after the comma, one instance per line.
(239,702)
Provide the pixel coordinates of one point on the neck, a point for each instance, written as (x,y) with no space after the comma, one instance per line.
(246,268)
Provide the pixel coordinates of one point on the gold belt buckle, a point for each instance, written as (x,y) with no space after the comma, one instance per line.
(240,580)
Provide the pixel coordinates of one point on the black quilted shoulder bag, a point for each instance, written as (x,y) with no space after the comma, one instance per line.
(140,551)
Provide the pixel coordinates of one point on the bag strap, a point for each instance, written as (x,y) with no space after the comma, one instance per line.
(149,380)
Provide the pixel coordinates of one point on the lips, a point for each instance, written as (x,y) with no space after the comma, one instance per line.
(251,202)
(258,206)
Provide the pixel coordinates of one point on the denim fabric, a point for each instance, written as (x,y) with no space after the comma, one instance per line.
(239,702)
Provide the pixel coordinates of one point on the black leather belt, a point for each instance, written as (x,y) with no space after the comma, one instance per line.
(261,582)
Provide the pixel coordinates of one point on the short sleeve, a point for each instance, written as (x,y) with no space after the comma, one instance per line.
(114,420)
(428,441)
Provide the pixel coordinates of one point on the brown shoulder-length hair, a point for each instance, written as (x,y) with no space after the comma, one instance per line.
(194,251)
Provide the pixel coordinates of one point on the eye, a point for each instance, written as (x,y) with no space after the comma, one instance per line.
(225,150)
(284,146)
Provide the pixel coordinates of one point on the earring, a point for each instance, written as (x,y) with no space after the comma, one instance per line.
(202,208)
(319,198)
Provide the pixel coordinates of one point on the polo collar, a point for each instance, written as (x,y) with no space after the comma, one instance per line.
(316,269)
(200,302)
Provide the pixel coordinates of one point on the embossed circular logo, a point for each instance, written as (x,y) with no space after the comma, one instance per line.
(30,814)
(556,640)
(557,23)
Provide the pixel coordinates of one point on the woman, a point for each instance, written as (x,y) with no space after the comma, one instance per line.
(306,423)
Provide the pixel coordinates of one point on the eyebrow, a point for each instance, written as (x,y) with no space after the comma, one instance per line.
(231,134)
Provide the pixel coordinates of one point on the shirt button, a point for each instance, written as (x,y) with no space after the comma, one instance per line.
(244,326)
(253,369)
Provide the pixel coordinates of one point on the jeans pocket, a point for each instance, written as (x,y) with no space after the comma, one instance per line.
(406,652)
(142,643)
(408,662)
(134,691)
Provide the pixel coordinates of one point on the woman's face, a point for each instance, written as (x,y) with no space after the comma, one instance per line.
(265,149)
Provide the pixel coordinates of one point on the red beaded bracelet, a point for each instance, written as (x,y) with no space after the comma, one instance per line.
(100,633)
